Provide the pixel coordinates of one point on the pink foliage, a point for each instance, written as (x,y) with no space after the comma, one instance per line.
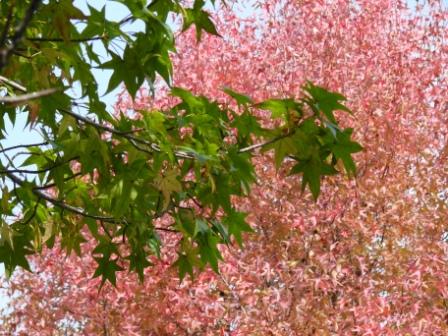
(369,258)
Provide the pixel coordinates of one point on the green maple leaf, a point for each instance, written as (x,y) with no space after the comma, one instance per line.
(239,98)
(107,269)
(312,171)
(326,101)
(343,149)
(279,107)
(167,185)
(236,224)
(184,265)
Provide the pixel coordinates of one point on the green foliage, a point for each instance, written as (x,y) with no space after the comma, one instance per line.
(115,177)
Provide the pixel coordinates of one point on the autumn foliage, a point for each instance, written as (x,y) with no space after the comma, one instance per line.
(369,258)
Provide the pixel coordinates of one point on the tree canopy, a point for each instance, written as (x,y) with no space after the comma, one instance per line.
(117,175)
(367,258)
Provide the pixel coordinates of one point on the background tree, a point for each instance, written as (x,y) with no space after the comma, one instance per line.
(113,177)
(368,259)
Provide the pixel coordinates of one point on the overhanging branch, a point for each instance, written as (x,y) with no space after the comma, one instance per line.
(63,205)
(28,96)
(5,53)
(23,146)
(78,211)
(15,85)
(59,39)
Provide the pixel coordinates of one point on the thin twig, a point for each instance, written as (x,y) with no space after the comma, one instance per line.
(126,20)
(51,185)
(28,96)
(78,211)
(39,171)
(106,231)
(165,229)
(21,55)
(61,204)
(262,144)
(15,85)
(132,139)
(59,39)
(23,146)
(19,32)
(7,25)
(33,213)
(153,146)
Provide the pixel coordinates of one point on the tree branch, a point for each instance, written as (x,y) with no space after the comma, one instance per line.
(39,171)
(5,53)
(61,204)
(28,96)
(59,39)
(165,229)
(132,139)
(15,85)
(73,209)
(33,214)
(51,185)
(262,144)
(7,25)
(22,146)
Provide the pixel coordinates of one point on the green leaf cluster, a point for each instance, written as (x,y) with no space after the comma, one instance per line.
(114,178)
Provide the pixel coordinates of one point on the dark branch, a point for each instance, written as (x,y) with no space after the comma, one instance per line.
(21,55)
(132,139)
(165,229)
(51,185)
(39,171)
(61,204)
(7,25)
(33,214)
(5,53)
(106,230)
(78,211)
(23,146)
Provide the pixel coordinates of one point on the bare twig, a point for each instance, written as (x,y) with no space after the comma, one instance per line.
(51,185)
(15,85)
(58,39)
(22,146)
(165,229)
(134,140)
(106,231)
(39,171)
(5,53)
(33,214)
(28,96)
(7,25)
(262,144)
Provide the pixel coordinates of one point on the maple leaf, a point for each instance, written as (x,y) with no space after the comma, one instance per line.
(167,184)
